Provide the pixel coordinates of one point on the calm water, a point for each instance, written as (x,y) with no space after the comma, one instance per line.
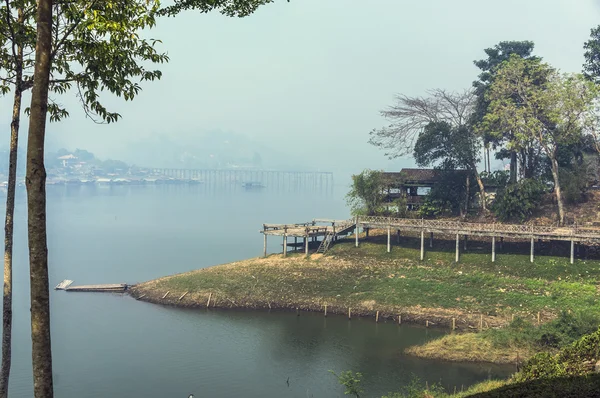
(113,346)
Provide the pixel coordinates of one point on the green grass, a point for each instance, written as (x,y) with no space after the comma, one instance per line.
(371,279)
(510,285)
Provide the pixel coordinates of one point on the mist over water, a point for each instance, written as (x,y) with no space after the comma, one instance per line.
(107,345)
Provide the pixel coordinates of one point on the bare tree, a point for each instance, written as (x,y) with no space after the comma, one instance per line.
(410,116)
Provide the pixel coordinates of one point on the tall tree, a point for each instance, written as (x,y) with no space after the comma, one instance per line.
(11,57)
(410,117)
(80,46)
(536,103)
(35,181)
(102,46)
(496,55)
(591,67)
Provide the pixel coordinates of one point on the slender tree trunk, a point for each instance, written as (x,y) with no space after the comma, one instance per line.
(488,160)
(481,187)
(9,222)
(513,167)
(530,163)
(468,189)
(557,191)
(36,208)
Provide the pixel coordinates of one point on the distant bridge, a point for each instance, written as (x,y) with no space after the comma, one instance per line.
(316,180)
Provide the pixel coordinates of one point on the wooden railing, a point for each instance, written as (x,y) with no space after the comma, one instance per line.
(486,228)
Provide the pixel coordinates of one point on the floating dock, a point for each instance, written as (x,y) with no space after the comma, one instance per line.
(109,288)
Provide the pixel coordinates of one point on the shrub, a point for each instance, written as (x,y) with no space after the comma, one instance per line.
(518,201)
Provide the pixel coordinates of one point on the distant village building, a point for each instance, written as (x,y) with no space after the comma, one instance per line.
(67,159)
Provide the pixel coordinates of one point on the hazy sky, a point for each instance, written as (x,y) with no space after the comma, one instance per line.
(309,77)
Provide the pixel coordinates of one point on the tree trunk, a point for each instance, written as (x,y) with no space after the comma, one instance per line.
(513,167)
(35,180)
(9,221)
(481,187)
(468,189)
(488,160)
(557,192)
(530,163)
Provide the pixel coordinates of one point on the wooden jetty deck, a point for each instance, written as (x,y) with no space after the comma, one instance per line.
(574,234)
(109,288)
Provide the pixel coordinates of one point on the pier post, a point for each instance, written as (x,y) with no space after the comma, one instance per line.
(295,243)
(398,232)
(389,237)
(572,251)
(265,244)
(493,249)
(457,247)
(466,239)
(431,240)
(356,232)
(422,245)
(285,241)
(306,244)
(532,249)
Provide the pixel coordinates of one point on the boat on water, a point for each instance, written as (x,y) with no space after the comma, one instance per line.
(252,185)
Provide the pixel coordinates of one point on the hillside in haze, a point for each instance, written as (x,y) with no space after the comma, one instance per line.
(213,149)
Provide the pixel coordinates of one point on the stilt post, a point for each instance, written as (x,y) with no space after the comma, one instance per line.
(389,237)
(572,251)
(306,241)
(284,241)
(493,249)
(356,232)
(422,245)
(431,240)
(265,241)
(531,257)
(457,247)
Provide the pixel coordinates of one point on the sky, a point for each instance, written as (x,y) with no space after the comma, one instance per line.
(309,77)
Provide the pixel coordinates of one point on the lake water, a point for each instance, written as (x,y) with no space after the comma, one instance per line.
(107,345)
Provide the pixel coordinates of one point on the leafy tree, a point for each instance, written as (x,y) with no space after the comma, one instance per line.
(366,193)
(351,381)
(450,148)
(591,67)
(447,195)
(537,104)
(417,120)
(96,48)
(496,56)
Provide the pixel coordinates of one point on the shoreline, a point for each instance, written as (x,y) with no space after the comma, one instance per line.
(475,295)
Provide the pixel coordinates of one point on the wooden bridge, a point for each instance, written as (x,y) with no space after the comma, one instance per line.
(280,179)
(573,234)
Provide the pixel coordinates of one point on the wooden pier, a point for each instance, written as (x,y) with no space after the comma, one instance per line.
(575,234)
(108,288)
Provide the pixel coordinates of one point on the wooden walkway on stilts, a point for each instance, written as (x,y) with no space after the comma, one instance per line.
(573,234)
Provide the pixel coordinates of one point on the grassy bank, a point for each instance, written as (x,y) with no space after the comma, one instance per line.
(367,279)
